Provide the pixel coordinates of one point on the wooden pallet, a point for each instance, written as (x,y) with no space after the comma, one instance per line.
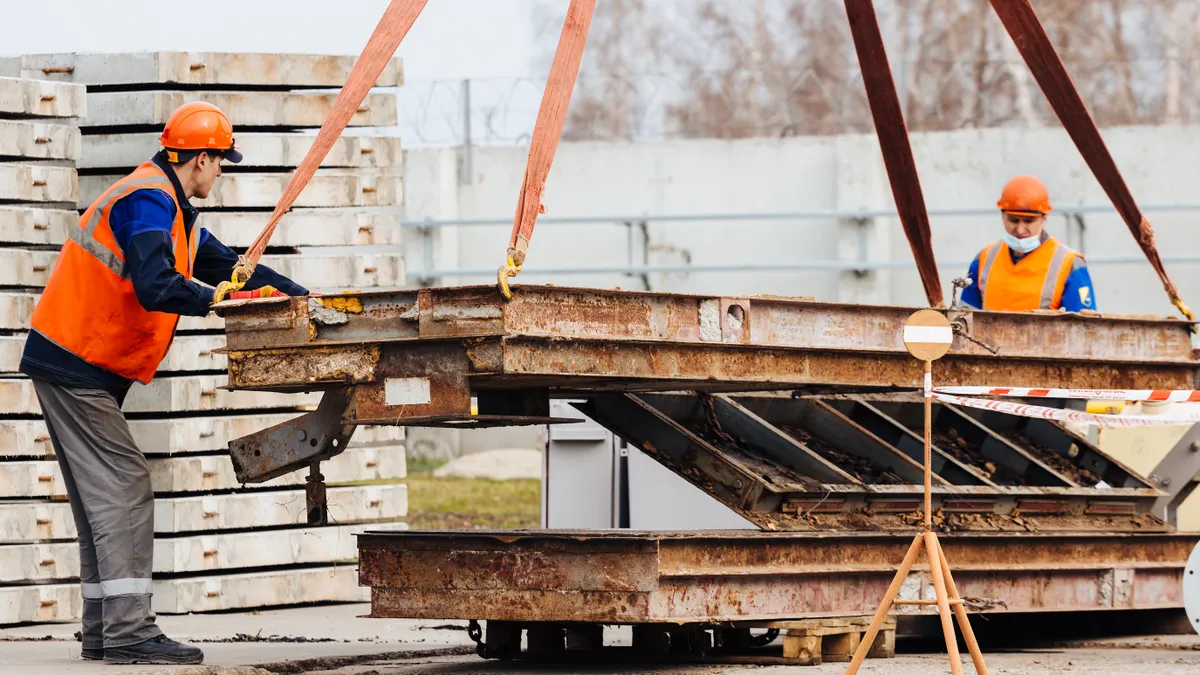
(808,642)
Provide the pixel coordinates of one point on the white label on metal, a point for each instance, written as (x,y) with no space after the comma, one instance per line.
(406,391)
(931,334)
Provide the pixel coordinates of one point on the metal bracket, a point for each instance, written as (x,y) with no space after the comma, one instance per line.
(298,443)
(1191,589)
(1178,475)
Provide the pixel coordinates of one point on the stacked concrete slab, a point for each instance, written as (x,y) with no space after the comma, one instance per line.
(39,146)
(219,545)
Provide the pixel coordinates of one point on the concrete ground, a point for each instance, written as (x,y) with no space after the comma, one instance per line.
(308,638)
(332,640)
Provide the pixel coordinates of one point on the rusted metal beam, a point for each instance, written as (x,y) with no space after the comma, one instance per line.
(795,477)
(640,577)
(591,340)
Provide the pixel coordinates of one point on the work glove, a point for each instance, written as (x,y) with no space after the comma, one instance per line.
(227,290)
(264,292)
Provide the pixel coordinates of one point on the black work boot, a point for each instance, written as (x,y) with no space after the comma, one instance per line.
(161,650)
(93,654)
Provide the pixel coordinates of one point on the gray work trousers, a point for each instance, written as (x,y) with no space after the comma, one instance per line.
(108,482)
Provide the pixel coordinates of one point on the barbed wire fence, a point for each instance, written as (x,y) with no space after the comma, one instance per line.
(938,96)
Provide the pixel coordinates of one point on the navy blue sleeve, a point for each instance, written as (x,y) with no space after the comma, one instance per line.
(215,261)
(141,224)
(970,295)
(1078,292)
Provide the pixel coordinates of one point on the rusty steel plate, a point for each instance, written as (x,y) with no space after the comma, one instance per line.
(668,577)
(596,340)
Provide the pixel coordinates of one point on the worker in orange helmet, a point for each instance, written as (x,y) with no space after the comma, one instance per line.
(135,263)
(1028,269)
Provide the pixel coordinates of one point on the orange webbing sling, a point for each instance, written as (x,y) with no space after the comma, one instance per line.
(1026,30)
(395,24)
(546,132)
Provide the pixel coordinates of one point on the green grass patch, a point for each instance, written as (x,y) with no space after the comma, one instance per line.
(472,503)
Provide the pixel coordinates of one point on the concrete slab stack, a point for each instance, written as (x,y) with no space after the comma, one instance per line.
(219,545)
(39,146)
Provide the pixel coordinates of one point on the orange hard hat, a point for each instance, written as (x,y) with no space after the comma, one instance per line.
(1025,194)
(199,126)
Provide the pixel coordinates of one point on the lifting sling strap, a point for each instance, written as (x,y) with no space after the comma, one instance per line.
(552,115)
(1026,29)
(894,142)
(397,19)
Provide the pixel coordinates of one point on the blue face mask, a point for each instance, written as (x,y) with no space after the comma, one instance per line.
(1022,245)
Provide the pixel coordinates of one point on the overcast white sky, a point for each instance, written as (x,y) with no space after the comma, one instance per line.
(452,39)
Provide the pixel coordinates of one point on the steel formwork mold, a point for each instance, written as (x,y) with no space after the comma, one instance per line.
(673,577)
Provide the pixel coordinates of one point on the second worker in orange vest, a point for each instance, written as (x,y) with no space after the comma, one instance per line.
(1028,269)
(135,262)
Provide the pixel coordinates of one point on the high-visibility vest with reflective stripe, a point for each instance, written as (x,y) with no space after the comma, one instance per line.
(1036,281)
(89,306)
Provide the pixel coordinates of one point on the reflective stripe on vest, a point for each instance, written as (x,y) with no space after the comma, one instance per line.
(985,266)
(86,236)
(1050,286)
(89,306)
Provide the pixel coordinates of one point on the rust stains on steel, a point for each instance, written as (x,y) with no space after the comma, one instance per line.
(640,577)
(620,316)
(588,339)
(280,369)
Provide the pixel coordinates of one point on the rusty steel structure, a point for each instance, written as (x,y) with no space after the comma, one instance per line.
(796,414)
(712,577)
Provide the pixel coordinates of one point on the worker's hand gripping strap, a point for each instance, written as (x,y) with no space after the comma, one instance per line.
(1026,30)
(893,141)
(397,19)
(546,132)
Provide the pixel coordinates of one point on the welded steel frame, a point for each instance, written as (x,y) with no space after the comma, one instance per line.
(683,577)
(567,341)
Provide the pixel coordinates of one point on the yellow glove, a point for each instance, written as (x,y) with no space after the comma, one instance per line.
(227,290)
(223,290)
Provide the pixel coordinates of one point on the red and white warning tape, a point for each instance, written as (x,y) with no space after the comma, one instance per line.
(1060,415)
(1169,395)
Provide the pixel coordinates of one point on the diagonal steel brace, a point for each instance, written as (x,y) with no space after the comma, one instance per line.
(298,443)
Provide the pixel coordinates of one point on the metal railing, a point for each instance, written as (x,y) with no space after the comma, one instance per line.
(428,272)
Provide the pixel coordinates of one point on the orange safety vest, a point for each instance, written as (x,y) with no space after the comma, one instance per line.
(89,307)
(1036,281)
